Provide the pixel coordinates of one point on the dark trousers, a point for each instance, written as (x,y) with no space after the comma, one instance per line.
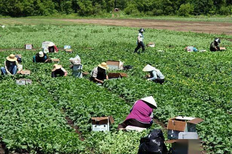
(139,45)
(57,73)
(133,122)
(161,81)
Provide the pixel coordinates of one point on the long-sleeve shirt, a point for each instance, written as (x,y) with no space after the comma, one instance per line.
(156,74)
(141,112)
(214,47)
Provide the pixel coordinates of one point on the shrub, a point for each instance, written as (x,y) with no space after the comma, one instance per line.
(186,9)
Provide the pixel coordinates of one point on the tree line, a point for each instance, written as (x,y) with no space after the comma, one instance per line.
(20,8)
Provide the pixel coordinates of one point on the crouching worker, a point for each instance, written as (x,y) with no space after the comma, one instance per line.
(11,66)
(40,57)
(99,73)
(141,114)
(76,66)
(155,74)
(214,46)
(58,71)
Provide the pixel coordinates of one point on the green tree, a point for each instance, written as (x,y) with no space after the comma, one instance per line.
(186,9)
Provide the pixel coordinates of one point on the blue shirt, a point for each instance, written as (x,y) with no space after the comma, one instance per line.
(156,74)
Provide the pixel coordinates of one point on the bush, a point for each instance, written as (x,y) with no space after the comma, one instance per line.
(186,9)
(158,12)
(225,10)
(131,10)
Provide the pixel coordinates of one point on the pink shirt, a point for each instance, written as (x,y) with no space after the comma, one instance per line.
(141,112)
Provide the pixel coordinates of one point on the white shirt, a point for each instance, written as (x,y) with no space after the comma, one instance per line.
(140,35)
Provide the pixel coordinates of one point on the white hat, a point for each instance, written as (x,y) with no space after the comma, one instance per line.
(76,60)
(150,100)
(51,44)
(41,54)
(149,68)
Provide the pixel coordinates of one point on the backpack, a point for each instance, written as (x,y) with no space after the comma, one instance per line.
(153,143)
(127,67)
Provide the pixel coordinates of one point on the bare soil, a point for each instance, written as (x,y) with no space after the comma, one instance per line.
(71,123)
(186,26)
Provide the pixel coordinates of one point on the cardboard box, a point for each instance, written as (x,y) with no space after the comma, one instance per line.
(151,44)
(181,124)
(101,123)
(23,81)
(55,60)
(85,73)
(114,65)
(116,75)
(222,48)
(186,146)
(68,50)
(25,72)
(28,46)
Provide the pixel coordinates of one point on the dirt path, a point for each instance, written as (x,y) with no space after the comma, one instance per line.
(199,27)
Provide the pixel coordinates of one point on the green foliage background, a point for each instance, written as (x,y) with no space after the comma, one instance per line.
(21,8)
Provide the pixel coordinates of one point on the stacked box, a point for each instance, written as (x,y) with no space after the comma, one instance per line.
(183,136)
(114,65)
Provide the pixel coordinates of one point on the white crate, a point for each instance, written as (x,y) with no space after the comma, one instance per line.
(23,81)
(104,127)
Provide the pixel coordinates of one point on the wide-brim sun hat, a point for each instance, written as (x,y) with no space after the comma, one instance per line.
(103,65)
(148,68)
(41,54)
(50,44)
(150,100)
(75,61)
(56,66)
(11,57)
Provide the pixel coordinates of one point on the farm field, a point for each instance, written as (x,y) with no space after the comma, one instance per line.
(34,117)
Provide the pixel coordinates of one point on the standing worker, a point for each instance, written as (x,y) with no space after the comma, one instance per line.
(140,41)
(11,66)
(40,57)
(99,73)
(58,71)
(141,114)
(76,66)
(155,74)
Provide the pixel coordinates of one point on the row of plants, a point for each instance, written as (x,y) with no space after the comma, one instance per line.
(36,114)
(31,123)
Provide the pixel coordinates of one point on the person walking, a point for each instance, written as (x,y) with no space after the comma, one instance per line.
(140,41)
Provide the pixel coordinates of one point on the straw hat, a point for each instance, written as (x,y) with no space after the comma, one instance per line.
(103,65)
(150,100)
(56,66)
(41,54)
(11,57)
(149,68)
